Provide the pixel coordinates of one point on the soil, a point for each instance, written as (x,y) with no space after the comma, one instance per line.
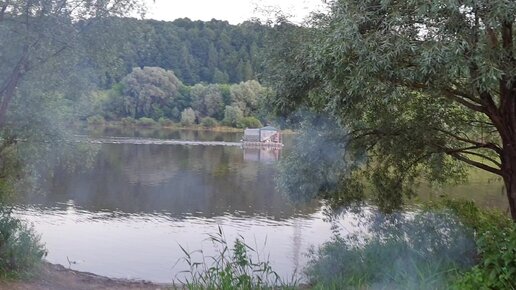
(57,277)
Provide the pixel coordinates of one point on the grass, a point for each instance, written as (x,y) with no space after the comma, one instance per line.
(233,267)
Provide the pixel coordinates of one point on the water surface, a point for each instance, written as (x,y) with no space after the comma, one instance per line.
(126,215)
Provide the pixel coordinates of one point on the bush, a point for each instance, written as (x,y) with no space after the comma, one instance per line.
(96,120)
(188,117)
(164,122)
(445,245)
(249,122)
(20,248)
(209,122)
(496,247)
(127,122)
(146,122)
(421,251)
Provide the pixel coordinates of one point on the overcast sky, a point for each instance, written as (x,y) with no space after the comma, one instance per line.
(234,11)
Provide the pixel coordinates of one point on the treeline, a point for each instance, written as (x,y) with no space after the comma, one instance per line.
(155,94)
(197,51)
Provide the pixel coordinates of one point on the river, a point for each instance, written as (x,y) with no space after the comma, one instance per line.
(127,214)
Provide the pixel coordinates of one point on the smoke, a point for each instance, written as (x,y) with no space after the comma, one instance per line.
(419,250)
(319,163)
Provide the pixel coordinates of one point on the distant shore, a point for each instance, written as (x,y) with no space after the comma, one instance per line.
(174,126)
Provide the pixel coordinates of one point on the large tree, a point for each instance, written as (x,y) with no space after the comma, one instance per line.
(40,33)
(45,66)
(421,86)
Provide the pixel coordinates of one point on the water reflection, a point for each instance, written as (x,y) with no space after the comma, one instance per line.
(146,246)
(202,181)
(125,216)
(263,154)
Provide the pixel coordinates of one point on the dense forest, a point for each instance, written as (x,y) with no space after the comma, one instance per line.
(180,71)
(197,51)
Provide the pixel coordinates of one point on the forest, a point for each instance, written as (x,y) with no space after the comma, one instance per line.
(197,51)
(395,105)
(180,71)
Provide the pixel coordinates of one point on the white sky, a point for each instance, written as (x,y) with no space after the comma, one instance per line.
(234,11)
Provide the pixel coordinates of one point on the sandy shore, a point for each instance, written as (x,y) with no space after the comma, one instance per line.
(57,277)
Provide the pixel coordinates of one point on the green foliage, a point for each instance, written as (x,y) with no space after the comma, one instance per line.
(212,51)
(237,267)
(164,122)
(249,122)
(207,100)
(146,122)
(96,120)
(188,117)
(496,246)
(232,115)
(409,80)
(421,250)
(20,248)
(155,93)
(148,91)
(127,121)
(208,122)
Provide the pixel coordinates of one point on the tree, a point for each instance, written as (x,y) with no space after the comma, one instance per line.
(45,68)
(149,90)
(425,86)
(207,100)
(247,96)
(188,117)
(232,116)
(39,32)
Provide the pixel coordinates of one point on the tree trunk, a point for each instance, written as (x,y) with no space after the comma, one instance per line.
(510,187)
(509,176)
(9,88)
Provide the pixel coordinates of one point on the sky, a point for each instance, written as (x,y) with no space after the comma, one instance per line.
(234,11)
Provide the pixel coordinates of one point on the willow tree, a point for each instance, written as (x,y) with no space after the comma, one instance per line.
(423,87)
(42,72)
(39,33)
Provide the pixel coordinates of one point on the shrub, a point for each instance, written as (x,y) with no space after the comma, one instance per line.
(249,122)
(164,122)
(496,247)
(96,120)
(421,251)
(209,122)
(128,121)
(146,122)
(20,248)
(188,117)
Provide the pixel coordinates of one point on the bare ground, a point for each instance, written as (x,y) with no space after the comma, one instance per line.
(57,277)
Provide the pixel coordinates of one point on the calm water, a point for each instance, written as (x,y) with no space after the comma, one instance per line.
(127,214)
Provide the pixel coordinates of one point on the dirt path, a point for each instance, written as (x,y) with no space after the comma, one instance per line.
(56,277)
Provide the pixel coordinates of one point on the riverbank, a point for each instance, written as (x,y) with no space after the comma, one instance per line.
(168,126)
(56,277)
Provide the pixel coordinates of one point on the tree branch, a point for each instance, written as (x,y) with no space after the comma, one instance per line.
(477,164)
(487,145)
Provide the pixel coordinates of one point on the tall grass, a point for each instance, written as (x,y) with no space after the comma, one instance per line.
(232,267)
